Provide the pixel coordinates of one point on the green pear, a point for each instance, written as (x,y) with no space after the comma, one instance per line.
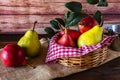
(90,37)
(30,43)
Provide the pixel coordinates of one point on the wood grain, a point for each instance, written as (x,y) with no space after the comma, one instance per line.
(44,19)
(18,16)
(2,2)
(54,8)
(21,23)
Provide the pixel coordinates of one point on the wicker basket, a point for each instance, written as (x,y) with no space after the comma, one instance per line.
(89,60)
(87,57)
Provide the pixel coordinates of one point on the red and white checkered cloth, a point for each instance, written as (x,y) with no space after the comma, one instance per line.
(56,50)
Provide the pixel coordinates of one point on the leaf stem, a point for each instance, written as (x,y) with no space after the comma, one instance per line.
(59,25)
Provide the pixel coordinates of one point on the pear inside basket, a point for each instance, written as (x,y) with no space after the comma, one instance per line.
(82,57)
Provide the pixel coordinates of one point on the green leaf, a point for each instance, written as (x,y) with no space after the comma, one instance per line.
(50,32)
(74,6)
(55,24)
(61,21)
(93,1)
(66,16)
(73,19)
(98,16)
(103,3)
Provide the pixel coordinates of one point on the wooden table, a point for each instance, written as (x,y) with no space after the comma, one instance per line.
(108,71)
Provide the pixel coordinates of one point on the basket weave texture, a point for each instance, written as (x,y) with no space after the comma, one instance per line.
(83,57)
(86,61)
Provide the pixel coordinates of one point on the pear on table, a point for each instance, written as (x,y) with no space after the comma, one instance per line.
(30,42)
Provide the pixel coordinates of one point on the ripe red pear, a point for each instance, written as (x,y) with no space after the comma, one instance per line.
(73,33)
(66,40)
(87,23)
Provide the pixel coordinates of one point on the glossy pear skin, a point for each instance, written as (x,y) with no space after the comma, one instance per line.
(91,37)
(66,39)
(73,33)
(30,43)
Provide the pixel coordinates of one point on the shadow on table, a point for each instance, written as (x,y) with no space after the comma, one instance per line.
(108,71)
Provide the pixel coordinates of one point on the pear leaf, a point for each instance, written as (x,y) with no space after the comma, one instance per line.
(66,16)
(74,6)
(61,21)
(103,3)
(55,24)
(73,19)
(98,16)
(93,2)
(49,31)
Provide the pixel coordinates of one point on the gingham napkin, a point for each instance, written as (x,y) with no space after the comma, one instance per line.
(56,50)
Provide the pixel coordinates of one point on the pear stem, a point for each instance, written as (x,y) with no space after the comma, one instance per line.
(34,25)
(59,25)
(66,31)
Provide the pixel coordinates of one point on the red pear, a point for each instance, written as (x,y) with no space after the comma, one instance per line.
(66,39)
(87,23)
(73,33)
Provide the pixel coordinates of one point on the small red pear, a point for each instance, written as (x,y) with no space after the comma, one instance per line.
(66,40)
(73,33)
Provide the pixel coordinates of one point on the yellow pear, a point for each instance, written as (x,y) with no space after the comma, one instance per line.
(30,43)
(91,37)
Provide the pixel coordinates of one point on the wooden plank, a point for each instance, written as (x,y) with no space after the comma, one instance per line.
(55,8)
(29,2)
(40,30)
(21,23)
(44,19)
(23,19)
(21,31)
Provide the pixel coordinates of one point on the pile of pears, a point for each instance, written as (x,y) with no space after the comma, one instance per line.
(30,42)
(90,33)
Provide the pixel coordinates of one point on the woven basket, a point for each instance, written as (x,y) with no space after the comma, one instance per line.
(89,60)
(84,57)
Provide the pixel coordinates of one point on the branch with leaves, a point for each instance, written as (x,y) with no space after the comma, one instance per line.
(99,3)
(73,16)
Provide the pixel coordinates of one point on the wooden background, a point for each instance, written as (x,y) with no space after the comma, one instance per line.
(17,16)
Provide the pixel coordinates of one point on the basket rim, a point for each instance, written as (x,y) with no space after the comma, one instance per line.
(105,41)
(56,50)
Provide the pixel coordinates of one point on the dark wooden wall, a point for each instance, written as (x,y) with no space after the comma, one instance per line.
(17,16)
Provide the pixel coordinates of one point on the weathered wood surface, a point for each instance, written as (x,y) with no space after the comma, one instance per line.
(21,23)
(108,71)
(18,15)
(53,8)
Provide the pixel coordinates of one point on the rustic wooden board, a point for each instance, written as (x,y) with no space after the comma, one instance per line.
(21,23)
(54,8)
(17,16)
(37,1)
